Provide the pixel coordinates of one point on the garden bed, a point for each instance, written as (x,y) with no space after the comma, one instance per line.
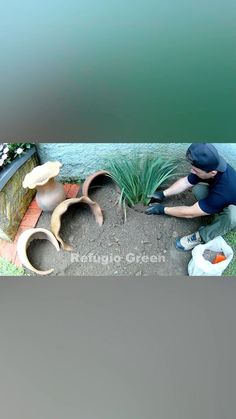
(14,199)
(144,245)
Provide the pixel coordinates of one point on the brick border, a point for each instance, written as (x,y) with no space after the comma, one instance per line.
(30,219)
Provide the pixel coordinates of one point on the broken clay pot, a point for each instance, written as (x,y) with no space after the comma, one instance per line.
(49,192)
(87,183)
(63,207)
(24,241)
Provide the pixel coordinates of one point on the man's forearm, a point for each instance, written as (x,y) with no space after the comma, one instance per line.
(179,186)
(181,212)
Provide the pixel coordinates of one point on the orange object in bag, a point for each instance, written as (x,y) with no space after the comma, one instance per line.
(219,258)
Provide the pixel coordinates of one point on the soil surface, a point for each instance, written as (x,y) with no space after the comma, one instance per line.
(143,245)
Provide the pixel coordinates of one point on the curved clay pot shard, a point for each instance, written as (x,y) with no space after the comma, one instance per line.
(87,183)
(63,207)
(24,241)
(49,192)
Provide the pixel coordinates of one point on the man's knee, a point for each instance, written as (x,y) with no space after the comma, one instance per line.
(231,212)
(200,191)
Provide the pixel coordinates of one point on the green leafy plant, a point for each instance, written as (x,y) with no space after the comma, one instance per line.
(11,151)
(9,269)
(153,173)
(230,238)
(139,177)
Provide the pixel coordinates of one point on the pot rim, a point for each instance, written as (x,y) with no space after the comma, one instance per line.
(23,242)
(87,183)
(60,210)
(35,177)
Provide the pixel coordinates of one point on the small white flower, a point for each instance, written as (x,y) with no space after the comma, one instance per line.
(1,147)
(1,162)
(6,149)
(19,150)
(4,156)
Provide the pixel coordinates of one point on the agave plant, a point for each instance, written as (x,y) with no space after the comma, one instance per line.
(153,173)
(139,177)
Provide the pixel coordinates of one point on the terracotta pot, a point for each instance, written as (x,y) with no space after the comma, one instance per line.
(87,183)
(24,241)
(49,192)
(63,207)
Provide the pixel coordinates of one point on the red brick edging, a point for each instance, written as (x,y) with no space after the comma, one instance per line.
(30,219)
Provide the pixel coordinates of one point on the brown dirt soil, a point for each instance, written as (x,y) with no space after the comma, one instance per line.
(143,245)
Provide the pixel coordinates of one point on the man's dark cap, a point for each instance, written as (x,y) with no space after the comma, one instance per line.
(205,157)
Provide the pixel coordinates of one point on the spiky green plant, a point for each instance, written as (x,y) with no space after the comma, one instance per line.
(139,177)
(153,173)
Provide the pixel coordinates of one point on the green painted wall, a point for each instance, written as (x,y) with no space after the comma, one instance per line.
(89,70)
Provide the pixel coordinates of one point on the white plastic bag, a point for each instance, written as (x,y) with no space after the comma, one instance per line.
(199,266)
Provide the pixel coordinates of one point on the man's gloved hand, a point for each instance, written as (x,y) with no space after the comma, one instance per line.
(155,209)
(157,196)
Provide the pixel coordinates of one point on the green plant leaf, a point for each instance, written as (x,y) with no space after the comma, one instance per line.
(138,177)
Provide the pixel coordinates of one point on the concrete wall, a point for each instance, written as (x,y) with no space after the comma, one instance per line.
(81,159)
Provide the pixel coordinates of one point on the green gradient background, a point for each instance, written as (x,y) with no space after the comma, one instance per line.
(105,70)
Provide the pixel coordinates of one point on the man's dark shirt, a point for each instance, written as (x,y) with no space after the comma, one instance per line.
(222,190)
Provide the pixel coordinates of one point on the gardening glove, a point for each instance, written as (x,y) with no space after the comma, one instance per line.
(157,196)
(155,209)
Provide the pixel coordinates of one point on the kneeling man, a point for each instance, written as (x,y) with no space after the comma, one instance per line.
(214,186)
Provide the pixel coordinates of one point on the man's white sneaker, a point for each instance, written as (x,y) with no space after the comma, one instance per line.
(188,242)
